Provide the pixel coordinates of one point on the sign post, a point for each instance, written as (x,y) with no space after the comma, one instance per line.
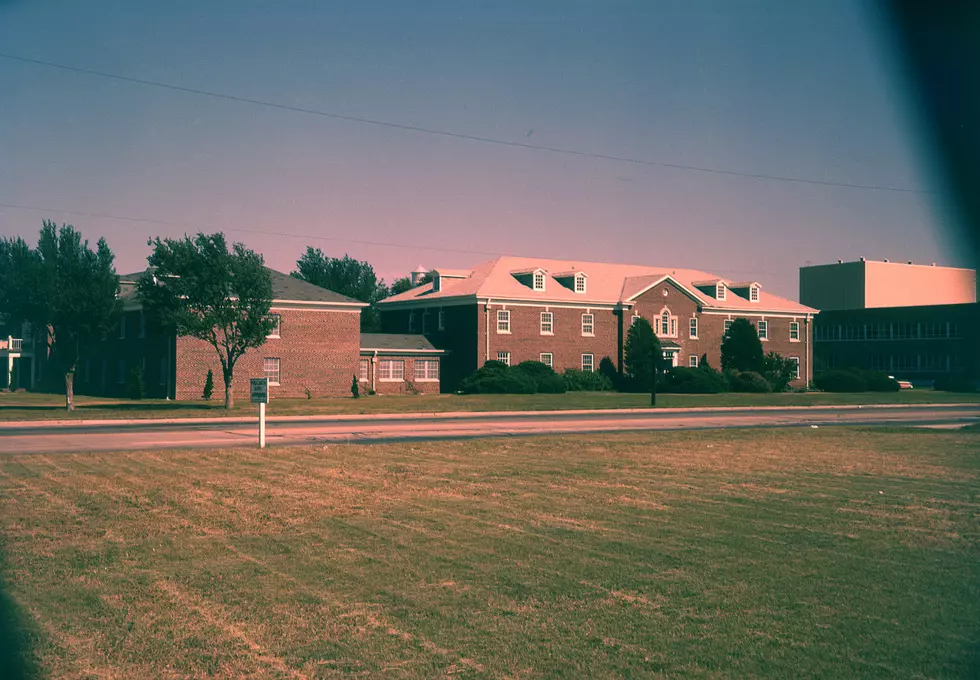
(260,395)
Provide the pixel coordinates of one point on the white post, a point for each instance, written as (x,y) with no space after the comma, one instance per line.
(261,424)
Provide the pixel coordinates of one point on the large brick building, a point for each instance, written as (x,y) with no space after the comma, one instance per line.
(916,322)
(572,314)
(315,350)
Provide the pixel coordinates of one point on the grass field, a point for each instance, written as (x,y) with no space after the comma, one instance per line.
(777,554)
(27,406)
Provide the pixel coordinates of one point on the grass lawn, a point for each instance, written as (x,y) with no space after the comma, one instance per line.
(838,553)
(27,406)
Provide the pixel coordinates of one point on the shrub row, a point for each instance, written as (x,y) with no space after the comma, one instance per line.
(530,377)
(854,380)
(956,383)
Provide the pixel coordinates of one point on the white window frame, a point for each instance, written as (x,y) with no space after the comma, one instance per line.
(671,324)
(794,326)
(692,328)
(762,326)
(535,280)
(579,281)
(720,292)
(588,325)
(274,334)
(797,360)
(387,367)
(547,323)
(272,369)
(753,293)
(503,321)
(429,372)
(547,358)
(634,318)
(503,357)
(590,363)
(363,370)
(442,319)
(692,361)
(411,322)
(728,325)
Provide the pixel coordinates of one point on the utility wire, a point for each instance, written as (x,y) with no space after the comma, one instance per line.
(263,232)
(458,135)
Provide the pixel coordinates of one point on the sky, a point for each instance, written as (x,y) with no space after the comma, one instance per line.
(799,90)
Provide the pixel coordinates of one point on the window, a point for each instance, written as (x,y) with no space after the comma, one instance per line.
(588,324)
(538,280)
(271,368)
(391,370)
(728,325)
(694,328)
(426,370)
(362,370)
(121,377)
(436,283)
(122,328)
(692,361)
(763,327)
(503,357)
(753,293)
(503,321)
(794,331)
(548,359)
(634,318)
(667,326)
(720,291)
(547,323)
(411,322)
(442,319)
(588,362)
(277,321)
(142,324)
(796,364)
(579,283)
(163,371)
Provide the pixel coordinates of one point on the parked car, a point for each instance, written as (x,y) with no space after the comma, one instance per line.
(903,384)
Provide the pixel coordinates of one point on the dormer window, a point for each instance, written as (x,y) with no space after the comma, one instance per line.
(580,283)
(436,283)
(719,291)
(538,280)
(753,293)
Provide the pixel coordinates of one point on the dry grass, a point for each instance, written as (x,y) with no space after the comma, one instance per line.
(831,553)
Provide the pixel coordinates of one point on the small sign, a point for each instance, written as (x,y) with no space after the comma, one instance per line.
(260,390)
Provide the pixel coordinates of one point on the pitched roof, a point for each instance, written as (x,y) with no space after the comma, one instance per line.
(608,284)
(396,342)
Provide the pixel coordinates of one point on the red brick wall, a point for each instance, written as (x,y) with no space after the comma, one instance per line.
(400,387)
(317,350)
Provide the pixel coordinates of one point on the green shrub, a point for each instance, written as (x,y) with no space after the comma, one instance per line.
(778,371)
(841,380)
(880,382)
(699,380)
(208,386)
(496,377)
(546,381)
(585,381)
(608,369)
(955,382)
(748,381)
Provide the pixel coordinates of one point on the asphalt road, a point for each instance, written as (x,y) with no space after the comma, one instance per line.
(40,437)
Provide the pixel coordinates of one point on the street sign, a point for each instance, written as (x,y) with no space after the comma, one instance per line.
(260,390)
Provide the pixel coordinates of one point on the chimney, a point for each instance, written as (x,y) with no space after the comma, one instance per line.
(417,275)
(862,259)
(840,261)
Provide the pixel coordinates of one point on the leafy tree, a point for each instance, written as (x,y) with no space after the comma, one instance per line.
(64,287)
(208,386)
(346,276)
(201,289)
(405,283)
(778,371)
(642,354)
(741,349)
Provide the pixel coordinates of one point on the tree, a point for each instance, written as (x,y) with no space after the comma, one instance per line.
(741,349)
(405,283)
(642,355)
(778,371)
(198,288)
(346,276)
(64,287)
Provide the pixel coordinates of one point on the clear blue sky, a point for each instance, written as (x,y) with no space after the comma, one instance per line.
(798,89)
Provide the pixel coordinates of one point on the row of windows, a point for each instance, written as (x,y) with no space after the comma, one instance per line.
(907,330)
(86,372)
(548,359)
(441,321)
(274,333)
(898,363)
(393,370)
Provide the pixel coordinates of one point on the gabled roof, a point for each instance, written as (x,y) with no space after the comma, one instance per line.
(609,284)
(394,342)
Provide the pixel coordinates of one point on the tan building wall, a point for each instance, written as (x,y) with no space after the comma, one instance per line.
(867,284)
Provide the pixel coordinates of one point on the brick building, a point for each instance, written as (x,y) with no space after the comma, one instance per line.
(572,314)
(916,322)
(314,350)
(399,364)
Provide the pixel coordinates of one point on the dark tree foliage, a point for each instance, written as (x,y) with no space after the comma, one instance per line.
(405,283)
(346,276)
(778,371)
(201,289)
(64,287)
(741,349)
(642,347)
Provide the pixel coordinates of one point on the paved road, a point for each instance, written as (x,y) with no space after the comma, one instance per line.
(138,435)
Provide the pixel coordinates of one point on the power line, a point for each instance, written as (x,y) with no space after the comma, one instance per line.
(263,232)
(458,135)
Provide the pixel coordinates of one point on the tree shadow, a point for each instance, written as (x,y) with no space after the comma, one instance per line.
(135,406)
(18,636)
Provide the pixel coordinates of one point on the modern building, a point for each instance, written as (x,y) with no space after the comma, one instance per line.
(916,322)
(571,314)
(314,350)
